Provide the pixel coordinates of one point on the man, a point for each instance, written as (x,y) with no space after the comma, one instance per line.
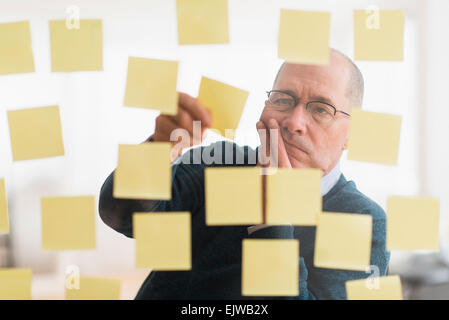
(309,109)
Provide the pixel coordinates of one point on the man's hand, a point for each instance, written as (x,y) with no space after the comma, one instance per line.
(189,110)
(272,152)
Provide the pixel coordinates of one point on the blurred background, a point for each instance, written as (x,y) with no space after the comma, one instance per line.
(94,120)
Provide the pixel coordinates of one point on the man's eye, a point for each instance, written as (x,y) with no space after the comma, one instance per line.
(282,102)
(322,110)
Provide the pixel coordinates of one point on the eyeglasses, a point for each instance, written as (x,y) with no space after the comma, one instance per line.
(322,112)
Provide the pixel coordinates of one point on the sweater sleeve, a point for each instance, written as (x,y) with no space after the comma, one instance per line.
(286,232)
(187,195)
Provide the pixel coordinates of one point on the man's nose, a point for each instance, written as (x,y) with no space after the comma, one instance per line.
(297,121)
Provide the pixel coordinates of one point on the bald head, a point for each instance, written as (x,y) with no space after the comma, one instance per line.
(355,85)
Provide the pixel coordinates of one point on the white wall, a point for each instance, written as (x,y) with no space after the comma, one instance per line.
(95,121)
(434,112)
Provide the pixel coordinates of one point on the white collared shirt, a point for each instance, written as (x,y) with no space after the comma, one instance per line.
(327,183)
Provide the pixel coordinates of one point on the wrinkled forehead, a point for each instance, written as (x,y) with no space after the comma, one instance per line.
(330,81)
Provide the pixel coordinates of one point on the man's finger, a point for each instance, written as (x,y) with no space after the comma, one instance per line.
(282,155)
(184,120)
(194,107)
(264,150)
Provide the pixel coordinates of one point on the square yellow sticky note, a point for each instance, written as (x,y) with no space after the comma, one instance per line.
(413,223)
(343,241)
(374,137)
(4,221)
(225,103)
(202,21)
(15,284)
(270,267)
(304,37)
(151,84)
(91,288)
(233,196)
(379,35)
(294,195)
(15,47)
(376,288)
(143,171)
(35,133)
(68,223)
(76,49)
(163,240)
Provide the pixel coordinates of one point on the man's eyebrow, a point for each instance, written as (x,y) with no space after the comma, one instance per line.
(322,99)
(314,97)
(291,92)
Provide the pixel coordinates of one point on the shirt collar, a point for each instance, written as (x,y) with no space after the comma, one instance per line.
(330,179)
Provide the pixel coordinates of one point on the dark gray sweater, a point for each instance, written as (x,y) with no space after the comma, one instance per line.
(216,251)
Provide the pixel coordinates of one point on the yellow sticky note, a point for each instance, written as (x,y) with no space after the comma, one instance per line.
(294,195)
(4,221)
(225,103)
(270,267)
(374,137)
(151,84)
(304,37)
(15,47)
(35,133)
(76,49)
(343,241)
(163,240)
(68,223)
(15,284)
(90,288)
(376,288)
(202,21)
(233,196)
(143,171)
(379,35)
(413,223)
